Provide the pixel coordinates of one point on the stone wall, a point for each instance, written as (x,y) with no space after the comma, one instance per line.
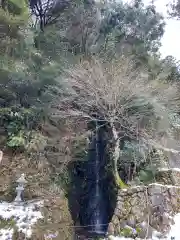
(144,210)
(168,176)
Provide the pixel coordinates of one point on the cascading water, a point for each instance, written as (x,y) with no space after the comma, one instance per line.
(97,224)
(94,212)
(92,196)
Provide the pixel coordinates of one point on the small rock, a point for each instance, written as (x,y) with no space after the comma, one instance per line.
(131,221)
(111,229)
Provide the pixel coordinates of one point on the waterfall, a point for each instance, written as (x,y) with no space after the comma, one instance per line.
(97,192)
(92,198)
(94,212)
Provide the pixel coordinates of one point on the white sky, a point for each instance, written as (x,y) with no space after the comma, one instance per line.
(171,38)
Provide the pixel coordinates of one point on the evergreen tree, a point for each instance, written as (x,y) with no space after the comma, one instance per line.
(27,76)
(136,27)
(174,9)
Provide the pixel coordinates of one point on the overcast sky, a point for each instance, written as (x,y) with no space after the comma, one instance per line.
(171,38)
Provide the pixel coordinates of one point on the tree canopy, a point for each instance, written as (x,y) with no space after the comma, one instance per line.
(174,9)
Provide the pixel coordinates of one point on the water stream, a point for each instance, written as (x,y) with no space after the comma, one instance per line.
(92,200)
(94,209)
(97,192)
(97,204)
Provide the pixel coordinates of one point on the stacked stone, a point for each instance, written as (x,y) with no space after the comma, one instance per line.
(142,211)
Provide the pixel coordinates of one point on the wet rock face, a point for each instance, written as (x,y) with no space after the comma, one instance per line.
(146,209)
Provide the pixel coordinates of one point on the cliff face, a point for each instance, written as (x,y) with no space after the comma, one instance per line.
(142,211)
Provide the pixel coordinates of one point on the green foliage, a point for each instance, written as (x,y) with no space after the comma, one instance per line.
(17,7)
(13,16)
(147,175)
(16,141)
(166,69)
(18,123)
(27,83)
(174,9)
(5,224)
(127,232)
(135,26)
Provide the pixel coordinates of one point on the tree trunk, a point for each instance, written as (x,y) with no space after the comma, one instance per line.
(115,158)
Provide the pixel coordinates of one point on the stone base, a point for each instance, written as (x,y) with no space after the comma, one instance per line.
(141,210)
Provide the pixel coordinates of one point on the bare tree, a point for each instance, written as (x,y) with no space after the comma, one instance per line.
(47,12)
(123,98)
